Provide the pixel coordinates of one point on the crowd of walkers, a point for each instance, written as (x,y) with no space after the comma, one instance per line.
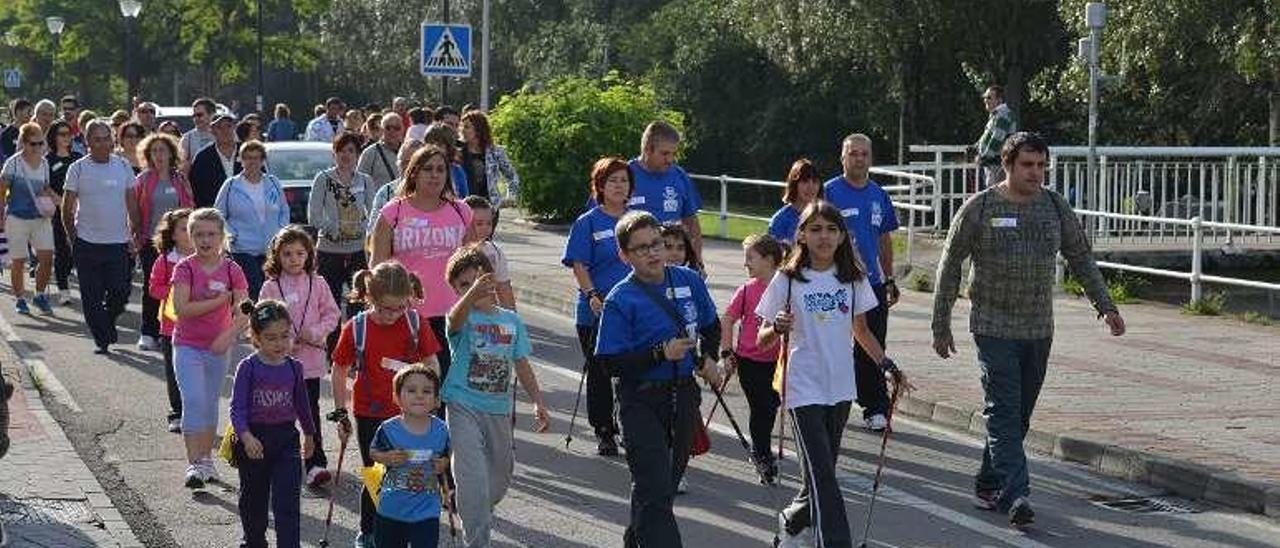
(396,282)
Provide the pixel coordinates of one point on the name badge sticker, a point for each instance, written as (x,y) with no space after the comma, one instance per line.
(1004,222)
(682,292)
(420,455)
(850,212)
(217,285)
(637,200)
(602,234)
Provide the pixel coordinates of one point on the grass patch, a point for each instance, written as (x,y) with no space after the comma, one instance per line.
(1208,305)
(1256,318)
(1122,286)
(920,281)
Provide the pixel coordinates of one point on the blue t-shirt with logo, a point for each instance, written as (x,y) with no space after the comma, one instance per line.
(593,243)
(485,352)
(669,195)
(632,320)
(783,224)
(868,212)
(410,492)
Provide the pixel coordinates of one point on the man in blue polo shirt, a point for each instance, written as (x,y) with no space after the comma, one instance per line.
(657,329)
(662,188)
(869,214)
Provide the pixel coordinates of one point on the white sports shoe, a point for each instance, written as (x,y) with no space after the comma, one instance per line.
(208,472)
(877,422)
(682,487)
(147,343)
(194,479)
(64,297)
(782,539)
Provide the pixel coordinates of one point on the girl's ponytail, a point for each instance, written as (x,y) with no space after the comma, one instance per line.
(360,286)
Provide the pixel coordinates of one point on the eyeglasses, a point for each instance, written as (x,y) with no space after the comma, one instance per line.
(36,143)
(146,110)
(656,246)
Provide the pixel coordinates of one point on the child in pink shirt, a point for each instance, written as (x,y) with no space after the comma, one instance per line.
(207,290)
(173,243)
(292,279)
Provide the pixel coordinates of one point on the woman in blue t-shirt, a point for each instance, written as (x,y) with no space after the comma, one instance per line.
(803,187)
(592,252)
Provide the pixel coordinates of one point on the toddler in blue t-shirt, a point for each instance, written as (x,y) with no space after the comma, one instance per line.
(413,446)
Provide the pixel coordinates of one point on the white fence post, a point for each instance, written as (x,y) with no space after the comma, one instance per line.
(724,207)
(937,190)
(1197,249)
(911,222)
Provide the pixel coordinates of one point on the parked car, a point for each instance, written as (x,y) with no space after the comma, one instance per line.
(296,164)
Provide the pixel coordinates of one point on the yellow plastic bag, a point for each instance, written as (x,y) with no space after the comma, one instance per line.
(167,312)
(226,449)
(372,476)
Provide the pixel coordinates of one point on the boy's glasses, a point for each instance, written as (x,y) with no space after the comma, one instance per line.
(654,247)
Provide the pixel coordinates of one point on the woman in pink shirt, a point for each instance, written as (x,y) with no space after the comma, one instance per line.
(421,227)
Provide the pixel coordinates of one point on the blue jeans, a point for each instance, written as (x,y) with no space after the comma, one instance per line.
(1012,374)
(390,533)
(252,266)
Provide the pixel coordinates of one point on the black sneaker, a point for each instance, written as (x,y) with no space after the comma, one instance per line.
(985,499)
(765,469)
(1020,514)
(608,446)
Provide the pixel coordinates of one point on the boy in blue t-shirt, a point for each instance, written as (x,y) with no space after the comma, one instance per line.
(869,215)
(414,447)
(658,327)
(488,344)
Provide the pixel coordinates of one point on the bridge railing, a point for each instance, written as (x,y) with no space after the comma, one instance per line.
(912,193)
(919,196)
(1229,185)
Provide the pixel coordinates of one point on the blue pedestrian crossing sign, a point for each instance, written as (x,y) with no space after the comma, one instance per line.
(12,78)
(446,50)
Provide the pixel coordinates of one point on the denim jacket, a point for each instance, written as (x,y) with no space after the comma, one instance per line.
(248,233)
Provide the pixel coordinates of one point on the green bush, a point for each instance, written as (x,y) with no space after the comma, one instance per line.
(1208,305)
(553,136)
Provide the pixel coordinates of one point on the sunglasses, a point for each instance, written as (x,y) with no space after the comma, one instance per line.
(36,143)
(146,110)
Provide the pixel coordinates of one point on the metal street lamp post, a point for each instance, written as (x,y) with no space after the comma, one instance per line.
(259,103)
(130,10)
(1096,17)
(55,25)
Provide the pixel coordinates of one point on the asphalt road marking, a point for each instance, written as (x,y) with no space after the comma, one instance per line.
(40,372)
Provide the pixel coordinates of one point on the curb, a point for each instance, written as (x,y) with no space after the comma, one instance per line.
(1183,478)
(95,496)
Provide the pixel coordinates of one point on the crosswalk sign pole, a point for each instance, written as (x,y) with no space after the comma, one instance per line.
(444,80)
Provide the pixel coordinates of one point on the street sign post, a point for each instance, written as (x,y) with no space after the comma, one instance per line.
(445,50)
(12,78)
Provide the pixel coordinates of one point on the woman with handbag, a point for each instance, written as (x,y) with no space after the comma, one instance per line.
(161,188)
(24,183)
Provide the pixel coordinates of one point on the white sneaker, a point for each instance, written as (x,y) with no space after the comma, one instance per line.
(682,487)
(147,343)
(175,425)
(194,478)
(877,422)
(208,472)
(64,297)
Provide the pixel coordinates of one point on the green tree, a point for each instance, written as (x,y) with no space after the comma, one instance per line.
(554,135)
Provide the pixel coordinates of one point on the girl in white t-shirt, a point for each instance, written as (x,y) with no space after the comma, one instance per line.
(819,297)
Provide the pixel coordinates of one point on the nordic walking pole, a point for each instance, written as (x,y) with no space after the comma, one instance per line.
(568,436)
(884,442)
(732,422)
(333,489)
(714,405)
(447,500)
(782,364)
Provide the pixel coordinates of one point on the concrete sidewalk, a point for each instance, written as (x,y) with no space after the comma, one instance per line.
(1182,403)
(48,497)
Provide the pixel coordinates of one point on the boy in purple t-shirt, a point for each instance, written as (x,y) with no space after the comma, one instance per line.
(268,397)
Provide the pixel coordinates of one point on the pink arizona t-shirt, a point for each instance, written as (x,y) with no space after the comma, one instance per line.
(423,242)
(200,331)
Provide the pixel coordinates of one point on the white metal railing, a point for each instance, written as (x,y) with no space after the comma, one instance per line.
(904,197)
(1221,185)
(1197,228)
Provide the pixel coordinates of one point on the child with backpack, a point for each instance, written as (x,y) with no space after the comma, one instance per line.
(172,243)
(291,278)
(489,343)
(754,363)
(387,336)
(267,399)
(207,288)
(414,447)
(819,298)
